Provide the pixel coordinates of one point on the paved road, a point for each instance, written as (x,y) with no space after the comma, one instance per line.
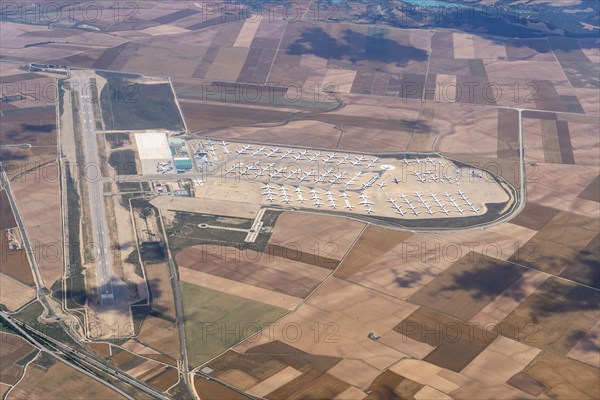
(39,283)
(64,350)
(104,272)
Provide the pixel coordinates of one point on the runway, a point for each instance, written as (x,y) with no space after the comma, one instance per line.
(104,272)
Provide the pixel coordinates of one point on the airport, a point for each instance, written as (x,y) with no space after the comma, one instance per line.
(403,186)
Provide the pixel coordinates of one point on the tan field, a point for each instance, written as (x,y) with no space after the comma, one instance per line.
(275,382)
(159,281)
(13,293)
(544,182)
(38,199)
(160,335)
(38,385)
(324,236)
(587,350)
(248,32)
(239,289)
(12,350)
(355,312)
(355,372)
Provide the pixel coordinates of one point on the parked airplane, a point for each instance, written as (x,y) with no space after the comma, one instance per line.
(286,154)
(273,152)
(315,156)
(370,210)
(257,152)
(373,161)
(225,149)
(300,155)
(343,159)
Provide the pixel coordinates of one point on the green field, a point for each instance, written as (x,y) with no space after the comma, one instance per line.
(215,321)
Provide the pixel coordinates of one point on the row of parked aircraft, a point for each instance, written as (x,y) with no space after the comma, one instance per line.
(270,191)
(304,154)
(424,203)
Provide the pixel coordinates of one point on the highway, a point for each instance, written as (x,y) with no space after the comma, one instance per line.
(63,351)
(104,272)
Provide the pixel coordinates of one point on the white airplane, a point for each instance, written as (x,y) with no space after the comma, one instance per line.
(273,152)
(257,152)
(315,156)
(291,174)
(360,159)
(286,154)
(370,210)
(300,155)
(430,211)
(318,202)
(445,210)
(405,161)
(307,175)
(283,189)
(345,195)
(343,160)
(417,161)
(475,210)
(429,160)
(414,210)
(382,184)
(225,149)
(460,210)
(332,204)
(373,161)
(278,171)
(241,151)
(286,199)
(366,202)
(349,206)
(235,166)
(460,193)
(419,196)
(262,171)
(329,157)
(399,210)
(270,198)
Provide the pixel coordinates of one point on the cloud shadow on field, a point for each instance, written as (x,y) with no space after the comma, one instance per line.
(355,47)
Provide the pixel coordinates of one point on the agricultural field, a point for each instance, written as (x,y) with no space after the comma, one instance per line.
(253,283)
(15,354)
(40,383)
(211,316)
(37,194)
